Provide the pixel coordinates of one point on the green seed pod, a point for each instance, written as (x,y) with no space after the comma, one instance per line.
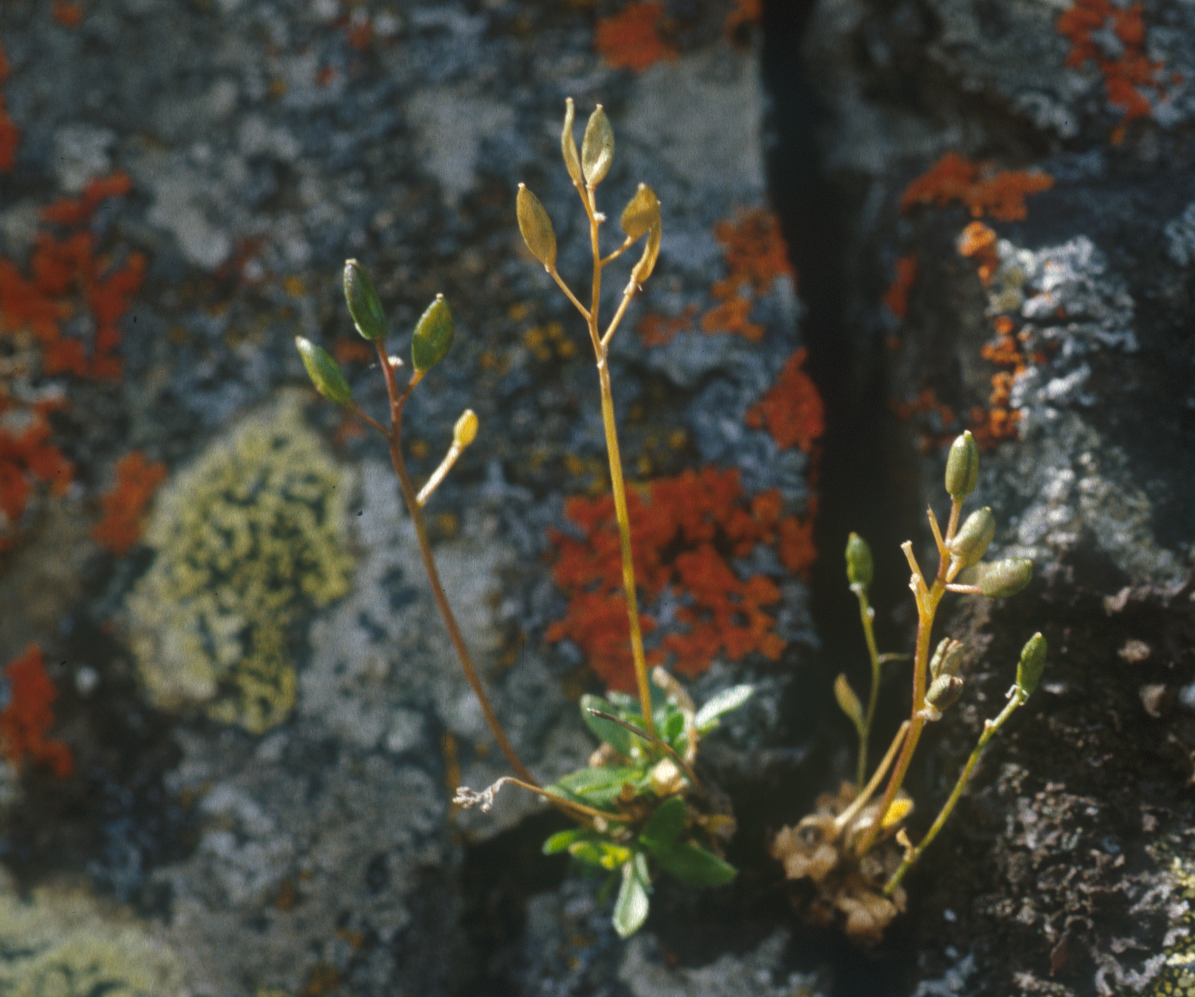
(1033,660)
(858,561)
(962,466)
(465,430)
(364,306)
(597,148)
(848,702)
(433,335)
(651,252)
(568,145)
(325,373)
(944,691)
(641,212)
(971,542)
(947,658)
(1000,579)
(536,227)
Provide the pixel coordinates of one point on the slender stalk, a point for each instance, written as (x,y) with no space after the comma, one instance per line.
(410,497)
(866,616)
(990,727)
(656,741)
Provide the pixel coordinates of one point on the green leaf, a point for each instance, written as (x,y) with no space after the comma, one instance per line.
(630,909)
(694,866)
(325,373)
(433,335)
(663,827)
(672,727)
(362,299)
(722,702)
(559,841)
(619,738)
(604,854)
(600,787)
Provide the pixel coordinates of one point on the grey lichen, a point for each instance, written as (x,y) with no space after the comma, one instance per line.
(249,535)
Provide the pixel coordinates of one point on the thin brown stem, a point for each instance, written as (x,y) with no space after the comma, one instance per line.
(654,740)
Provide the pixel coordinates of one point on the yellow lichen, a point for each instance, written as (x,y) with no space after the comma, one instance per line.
(246,537)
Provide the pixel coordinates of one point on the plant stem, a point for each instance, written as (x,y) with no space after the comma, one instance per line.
(989,728)
(410,497)
(866,615)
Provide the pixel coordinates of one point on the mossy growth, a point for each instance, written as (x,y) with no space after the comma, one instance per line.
(253,533)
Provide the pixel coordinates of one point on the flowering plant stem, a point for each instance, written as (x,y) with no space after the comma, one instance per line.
(866,615)
(393,435)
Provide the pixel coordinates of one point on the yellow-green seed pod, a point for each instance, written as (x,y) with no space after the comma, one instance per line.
(597,148)
(947,659)
(971,542)
(1033,660)
(465,430)
(363,302)
(848,702)
(433,335)
(962,466)
(651,252)
(568,145)
(858,561)
(944,691)
(325,373)
(1000,579)
(641,212)
(536,227)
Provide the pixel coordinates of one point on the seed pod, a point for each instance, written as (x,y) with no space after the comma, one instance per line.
(433,335)
(1000,579)
(971,542)
(325,373)
(947,659)
(962,466)
(848,702)
(1033,660)
(597,148)
(858,561)
(944,692)
(651,252)
(465,430)
(568,145)
(536,227)
(641,212)
(364,306)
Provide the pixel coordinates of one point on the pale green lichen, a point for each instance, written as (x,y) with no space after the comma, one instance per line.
(247,537)
(61,945)
(1177,977)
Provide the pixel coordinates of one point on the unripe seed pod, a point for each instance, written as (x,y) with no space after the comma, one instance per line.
(1000,579)
(962,466)
(848,702)
(858,561)
(971,542)
(568,145)
(651,252)
(641,212)
(597,147)
(433,335)
(944,692)
(362,299)
(465,430)
(325,373)
(1033,660)
(947,659)
(536,227)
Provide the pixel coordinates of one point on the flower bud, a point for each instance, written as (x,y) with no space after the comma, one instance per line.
(858,561)
(1000,579)
(962,466)
(325,373)
(1033,660)
(568,145)
(947,659)
(597,147)
(536,227)
(971,542)
(465,430)
(433,335)
(364,306)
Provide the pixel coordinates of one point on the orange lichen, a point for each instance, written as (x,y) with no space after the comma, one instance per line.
(745,12)
(78,211)
(953,179)
(631,38)
(28,714)
(755,256)
(939,422)
(792,409)
(685,532)
(67,14)
(137,479)
(660,330)
(896,298)
(27,456)
(978,242)
(1125,70)
(10,134)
